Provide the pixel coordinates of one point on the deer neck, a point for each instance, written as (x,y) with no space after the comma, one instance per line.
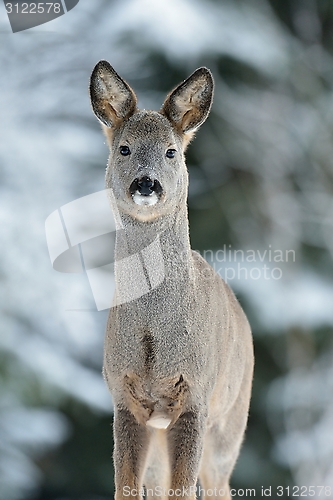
(166,237)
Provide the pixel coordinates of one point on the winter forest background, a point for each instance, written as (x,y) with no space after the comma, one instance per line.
(261,182)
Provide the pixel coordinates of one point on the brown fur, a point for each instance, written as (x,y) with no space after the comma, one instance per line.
(182,353)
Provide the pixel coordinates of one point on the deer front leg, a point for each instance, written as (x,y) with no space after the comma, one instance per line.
(185,450)
(130,451)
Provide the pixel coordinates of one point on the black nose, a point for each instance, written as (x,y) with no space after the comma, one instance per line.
(146,186)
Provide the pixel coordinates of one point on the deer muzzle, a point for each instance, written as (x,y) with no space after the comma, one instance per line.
(145,190)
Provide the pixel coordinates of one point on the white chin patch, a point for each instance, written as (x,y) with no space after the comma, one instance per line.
(149,200)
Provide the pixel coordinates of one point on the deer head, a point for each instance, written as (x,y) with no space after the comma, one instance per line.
(146,168)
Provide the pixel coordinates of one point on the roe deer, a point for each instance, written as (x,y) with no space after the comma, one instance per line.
(178,360)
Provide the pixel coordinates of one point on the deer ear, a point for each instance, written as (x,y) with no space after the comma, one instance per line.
(189,104)
(112,99)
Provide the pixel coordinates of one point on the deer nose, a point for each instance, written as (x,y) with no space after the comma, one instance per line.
(145,185)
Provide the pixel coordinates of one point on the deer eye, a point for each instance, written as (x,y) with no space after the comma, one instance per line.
(170,153)
(124,150)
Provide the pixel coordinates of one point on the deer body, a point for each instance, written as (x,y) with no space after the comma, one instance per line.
(178,359)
